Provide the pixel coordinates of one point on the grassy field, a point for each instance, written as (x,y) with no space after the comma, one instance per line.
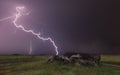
(38,65)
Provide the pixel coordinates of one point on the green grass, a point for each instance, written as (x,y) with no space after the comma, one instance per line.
(114,60)
(38,65)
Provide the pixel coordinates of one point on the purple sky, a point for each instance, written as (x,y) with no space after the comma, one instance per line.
(74,25)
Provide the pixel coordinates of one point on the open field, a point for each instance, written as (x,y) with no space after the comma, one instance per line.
(38,65)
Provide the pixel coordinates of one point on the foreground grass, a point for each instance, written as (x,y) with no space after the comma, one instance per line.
(38,65)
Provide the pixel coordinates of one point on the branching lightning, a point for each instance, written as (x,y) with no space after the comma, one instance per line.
(6,18)
(20,14)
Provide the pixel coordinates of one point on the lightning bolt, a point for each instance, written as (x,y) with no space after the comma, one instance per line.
(38,35)
(30,51)
(6,18)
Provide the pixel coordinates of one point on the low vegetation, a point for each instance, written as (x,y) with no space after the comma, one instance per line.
(38,65)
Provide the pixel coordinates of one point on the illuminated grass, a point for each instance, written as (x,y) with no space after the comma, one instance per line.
(115,60)
(38,65)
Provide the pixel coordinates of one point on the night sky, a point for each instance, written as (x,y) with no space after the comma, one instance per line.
(86,26)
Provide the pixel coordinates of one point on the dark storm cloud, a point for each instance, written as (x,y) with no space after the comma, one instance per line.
(75,25)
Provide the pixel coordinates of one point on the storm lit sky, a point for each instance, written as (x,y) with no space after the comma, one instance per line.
(75,25)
